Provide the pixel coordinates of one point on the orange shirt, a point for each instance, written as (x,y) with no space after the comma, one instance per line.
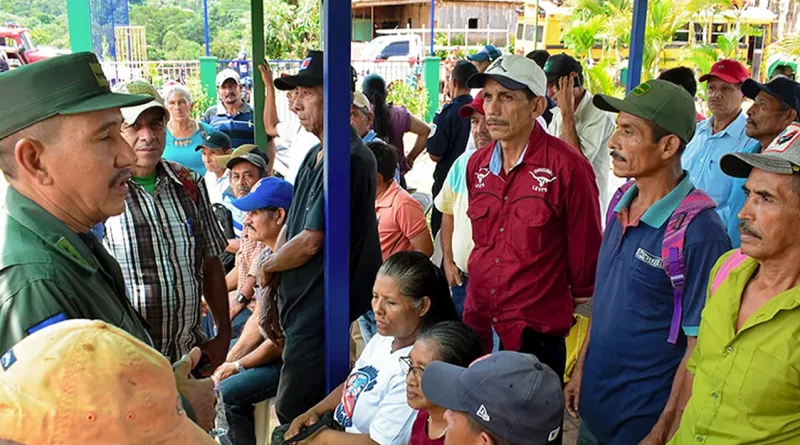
(400,219)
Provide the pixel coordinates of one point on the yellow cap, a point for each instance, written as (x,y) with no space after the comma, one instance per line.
(87,382)
(223,160)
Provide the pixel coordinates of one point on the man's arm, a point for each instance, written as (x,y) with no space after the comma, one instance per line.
(411,221)
(271,153)
(423,243)
(248,340)
(451,271)
(296,252)
(233,246)
(270,116)
(683,400)
(232,279)
(217,298)
(661,430)
(583,216)
(422,130)
(572,391)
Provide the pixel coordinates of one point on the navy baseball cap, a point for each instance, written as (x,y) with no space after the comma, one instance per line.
(215,140)
(781,88)
(488,53)
(512,395)
(267,192)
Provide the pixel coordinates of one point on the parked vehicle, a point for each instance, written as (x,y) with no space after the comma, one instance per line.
(18,45)
(395,57)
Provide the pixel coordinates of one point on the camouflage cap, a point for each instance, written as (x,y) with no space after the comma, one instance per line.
(63,85)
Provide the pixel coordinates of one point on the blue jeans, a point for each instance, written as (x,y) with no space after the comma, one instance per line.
(238,322)
(367,325)
(240,392)
(460,295)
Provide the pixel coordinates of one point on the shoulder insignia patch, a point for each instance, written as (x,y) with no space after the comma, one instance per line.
(433,131)
(67,247)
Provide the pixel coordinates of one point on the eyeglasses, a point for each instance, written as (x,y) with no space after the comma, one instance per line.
(406,366)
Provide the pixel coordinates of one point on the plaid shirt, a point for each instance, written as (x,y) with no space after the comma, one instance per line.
(246,264)
(160,241)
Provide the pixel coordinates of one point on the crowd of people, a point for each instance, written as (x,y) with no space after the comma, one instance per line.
(136,237)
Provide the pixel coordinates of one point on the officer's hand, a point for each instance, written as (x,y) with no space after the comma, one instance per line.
(199,393)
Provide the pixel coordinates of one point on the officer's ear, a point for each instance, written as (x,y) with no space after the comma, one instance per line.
(28,156)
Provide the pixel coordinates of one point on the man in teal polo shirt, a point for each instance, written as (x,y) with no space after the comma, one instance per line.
(629,361)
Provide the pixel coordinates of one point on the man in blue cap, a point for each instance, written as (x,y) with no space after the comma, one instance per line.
(483,58)
(251,371)
(775,106)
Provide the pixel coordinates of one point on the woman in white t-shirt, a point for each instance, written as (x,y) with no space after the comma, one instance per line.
(410,293)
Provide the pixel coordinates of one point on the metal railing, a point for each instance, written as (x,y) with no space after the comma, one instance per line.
(155,72)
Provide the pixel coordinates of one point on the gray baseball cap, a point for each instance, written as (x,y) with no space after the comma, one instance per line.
(782,156)
(512,395)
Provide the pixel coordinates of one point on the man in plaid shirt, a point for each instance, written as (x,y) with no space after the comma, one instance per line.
(168,241)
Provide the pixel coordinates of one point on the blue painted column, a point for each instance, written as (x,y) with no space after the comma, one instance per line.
(636,53)
(337,29)
(433,17)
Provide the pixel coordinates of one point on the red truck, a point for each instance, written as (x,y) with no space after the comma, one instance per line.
(20,49)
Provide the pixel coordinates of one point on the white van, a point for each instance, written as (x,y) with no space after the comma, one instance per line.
(394,57)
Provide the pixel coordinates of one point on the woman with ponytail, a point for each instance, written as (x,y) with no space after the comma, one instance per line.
(393,121)
(410,294)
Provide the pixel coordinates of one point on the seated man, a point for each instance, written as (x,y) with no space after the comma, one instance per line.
(251,371)
(504,398)
(88,382)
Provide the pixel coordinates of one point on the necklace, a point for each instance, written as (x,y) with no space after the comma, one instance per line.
(444,431)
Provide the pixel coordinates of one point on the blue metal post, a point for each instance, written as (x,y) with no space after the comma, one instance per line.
(336,40)
(637,44)
(205,24)
(433,15)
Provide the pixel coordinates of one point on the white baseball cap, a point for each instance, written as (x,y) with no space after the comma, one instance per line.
(360,100)
(513,72)
(226,74)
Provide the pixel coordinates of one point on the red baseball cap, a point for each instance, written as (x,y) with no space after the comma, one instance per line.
(475,105)
(727,70)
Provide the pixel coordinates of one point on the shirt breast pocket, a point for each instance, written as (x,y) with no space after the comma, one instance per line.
(770,386)
(649,279)
(479,216)
(528,225)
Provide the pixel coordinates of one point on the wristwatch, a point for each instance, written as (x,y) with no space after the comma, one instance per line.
(239,368)
(242,299)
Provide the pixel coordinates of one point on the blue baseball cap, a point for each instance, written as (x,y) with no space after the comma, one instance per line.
(488,53)
(267,192)
(512,395)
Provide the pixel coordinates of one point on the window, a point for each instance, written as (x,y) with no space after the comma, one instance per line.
(472,24)
(529,32)
(718,29)
(3,41)
(699,33)
(394,49)
(681,35)
(520,30)
(27,42)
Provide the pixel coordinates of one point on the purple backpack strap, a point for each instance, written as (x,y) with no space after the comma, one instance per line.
(732,262)
(672,251)
(615,200)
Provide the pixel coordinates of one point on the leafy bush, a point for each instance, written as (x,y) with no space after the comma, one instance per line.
(414,99)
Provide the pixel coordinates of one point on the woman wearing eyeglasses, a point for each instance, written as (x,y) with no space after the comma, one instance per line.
(451,342)
(409,294)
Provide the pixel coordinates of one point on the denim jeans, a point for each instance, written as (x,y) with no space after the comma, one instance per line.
(240,392)
(460,295)
(238,322)
(367,325)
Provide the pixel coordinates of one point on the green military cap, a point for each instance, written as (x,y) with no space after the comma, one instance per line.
(69,84)
(660,102)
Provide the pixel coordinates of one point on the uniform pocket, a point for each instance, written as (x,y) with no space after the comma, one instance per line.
(528,226)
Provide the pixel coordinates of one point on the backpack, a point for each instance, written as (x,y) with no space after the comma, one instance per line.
(732,262)
(672,245)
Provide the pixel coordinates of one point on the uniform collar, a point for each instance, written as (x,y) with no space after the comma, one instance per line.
(388,197)
(734,129)
(659,213)
(50,229)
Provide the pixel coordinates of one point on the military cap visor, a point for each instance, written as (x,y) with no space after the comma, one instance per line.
(63,85)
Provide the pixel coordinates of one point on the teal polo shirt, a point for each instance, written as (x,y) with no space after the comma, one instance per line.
(48,274)
(629,365)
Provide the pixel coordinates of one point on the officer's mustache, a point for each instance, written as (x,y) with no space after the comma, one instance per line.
(746,229)
(122,175)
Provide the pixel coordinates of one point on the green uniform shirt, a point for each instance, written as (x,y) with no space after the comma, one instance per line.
(49,273)
(747,383)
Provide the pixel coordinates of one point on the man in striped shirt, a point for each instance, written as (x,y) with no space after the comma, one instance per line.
(167,241)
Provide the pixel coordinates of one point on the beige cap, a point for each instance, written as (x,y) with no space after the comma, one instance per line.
(360,100)
(88,382)
(223,160)
(139,87)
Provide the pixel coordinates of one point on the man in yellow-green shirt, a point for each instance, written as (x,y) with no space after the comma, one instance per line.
(746,366)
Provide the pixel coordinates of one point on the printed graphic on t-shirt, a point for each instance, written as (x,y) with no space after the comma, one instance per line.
(360,381)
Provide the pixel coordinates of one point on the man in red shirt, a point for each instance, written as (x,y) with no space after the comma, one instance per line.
(535,214)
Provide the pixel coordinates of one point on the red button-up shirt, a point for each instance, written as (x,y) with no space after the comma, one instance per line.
(537,236)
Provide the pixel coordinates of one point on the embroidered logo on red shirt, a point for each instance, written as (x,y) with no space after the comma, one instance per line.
(481,174)
(543,176)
